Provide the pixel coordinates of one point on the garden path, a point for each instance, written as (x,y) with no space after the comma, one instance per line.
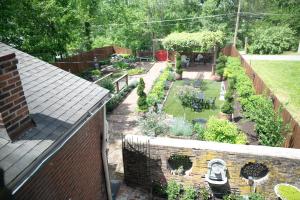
(124,119)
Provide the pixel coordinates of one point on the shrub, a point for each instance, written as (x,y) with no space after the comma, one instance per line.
(142,100)
(221,64)
(233,197)
(157,92)
(272,40)
(204,193)
(179,69)
(173,190)
(117,98)
(107,83)
(227,108)
(269,124)
(189,194)
(229,95)
(121,65)
(288,192)
(181,127)
(153,124)
(223,131)
(256,196)
(135,71)
(96,73)
(199,129)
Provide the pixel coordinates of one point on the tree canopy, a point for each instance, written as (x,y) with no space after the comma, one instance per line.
(48,28)
(197,41)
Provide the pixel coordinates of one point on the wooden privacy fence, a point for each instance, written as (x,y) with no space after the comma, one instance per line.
(82,61)
(292,141)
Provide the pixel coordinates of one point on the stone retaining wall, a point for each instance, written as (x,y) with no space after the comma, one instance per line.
(283,163)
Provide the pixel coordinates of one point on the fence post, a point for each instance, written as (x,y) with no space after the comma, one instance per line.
(126,79)
(117,86)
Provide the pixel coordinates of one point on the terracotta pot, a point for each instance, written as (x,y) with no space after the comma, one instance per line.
(178,76)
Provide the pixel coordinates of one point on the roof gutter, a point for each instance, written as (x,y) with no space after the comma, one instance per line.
(55,147)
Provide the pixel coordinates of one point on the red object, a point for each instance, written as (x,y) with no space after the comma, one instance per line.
(161,55)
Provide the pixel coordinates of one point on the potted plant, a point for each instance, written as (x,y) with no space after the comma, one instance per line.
(179,70)
(286,191)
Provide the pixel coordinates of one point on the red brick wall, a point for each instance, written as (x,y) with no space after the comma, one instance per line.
(75,172)
(14,113)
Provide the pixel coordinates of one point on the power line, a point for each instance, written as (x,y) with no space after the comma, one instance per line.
(167,20)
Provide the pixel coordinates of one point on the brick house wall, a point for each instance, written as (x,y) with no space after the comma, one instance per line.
(75,172)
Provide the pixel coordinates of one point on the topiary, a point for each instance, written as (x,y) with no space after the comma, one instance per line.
(179,69)
(142,100)
(229,95)
(141,87)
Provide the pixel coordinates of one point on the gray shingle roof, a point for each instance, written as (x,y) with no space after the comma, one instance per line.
(57,100)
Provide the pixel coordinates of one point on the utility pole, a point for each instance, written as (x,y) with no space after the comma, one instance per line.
(237,24)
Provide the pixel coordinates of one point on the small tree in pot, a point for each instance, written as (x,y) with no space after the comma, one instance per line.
(227,108)
(221,64)
(179,69)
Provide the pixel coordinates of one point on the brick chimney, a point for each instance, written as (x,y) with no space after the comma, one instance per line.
(14,113)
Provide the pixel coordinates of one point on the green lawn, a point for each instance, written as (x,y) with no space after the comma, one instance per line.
(283,78)
(173,105)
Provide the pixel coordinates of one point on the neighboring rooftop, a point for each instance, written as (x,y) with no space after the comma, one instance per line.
(58,101)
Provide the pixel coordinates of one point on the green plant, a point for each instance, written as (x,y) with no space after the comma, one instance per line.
(121,65)
(159,190)
(135,71)
(96,73)
(223,131)
(189,194)
(173,190)
(199,129)
(180,126)
(157,93)
(142,100)
(227,108)
(107,83)
(229,95)
(179,69)
(288,192)
(272,40)
(153,124)
(256,196)
(233,197)
(221,64)
(204,193)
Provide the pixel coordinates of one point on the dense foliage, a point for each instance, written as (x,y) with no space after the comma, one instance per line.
(198,41)
(142,100)
(58,28)
(272,40)
(221,64)
(153,124)
(157,92)
(173,190)
(107,83)
(181,127)
(223,131)
(269,123)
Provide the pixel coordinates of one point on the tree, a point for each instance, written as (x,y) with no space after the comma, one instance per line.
(142,100)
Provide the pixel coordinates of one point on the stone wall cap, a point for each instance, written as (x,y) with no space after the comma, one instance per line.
(257,150)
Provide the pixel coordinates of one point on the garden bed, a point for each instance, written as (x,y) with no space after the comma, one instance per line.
(174,107)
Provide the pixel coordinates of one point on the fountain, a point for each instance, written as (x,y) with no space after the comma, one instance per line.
(217,173)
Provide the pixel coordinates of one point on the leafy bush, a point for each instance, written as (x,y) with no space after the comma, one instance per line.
(173,190)
(221,64)
(256,196)
(288,192)
(153,124)
(272,40)
(233,197)
(157,92)
(107,83)
(223,131)
(142,100)
(269,124)
(121,65)
(227,108)
(189,194)
(117,98)
(204,193)
(96,73)
(229,95)
(181,127)
(199,129)
(179,69)
(135,71)
(258,108)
